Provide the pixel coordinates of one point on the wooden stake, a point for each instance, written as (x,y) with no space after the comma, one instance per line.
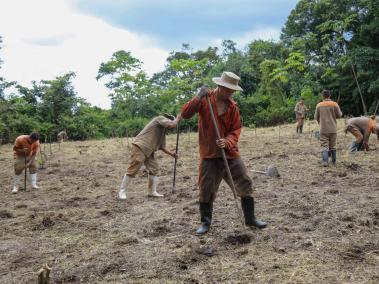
(176,159)
(25,168)
(50,144)
(42,160)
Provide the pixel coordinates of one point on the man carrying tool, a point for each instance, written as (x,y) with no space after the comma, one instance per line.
(326,115)
(25,150)
(361,128)
(145,144)
(212,169)
(300,110)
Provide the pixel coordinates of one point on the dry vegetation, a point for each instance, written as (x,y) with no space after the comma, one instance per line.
(323,222)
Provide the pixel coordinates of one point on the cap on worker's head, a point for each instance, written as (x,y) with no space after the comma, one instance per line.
(34,136)
(326,93)
(169,116)
(228,80)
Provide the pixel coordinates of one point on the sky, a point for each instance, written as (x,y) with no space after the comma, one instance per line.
(43,39)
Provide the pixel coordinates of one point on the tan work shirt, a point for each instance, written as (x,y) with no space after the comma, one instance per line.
(300,110)
(365,125)
(326,115)
(153,136)
(22,142)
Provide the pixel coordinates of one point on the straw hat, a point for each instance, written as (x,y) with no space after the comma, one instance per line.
(228,80)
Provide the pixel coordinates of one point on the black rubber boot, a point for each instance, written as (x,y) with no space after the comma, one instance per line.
(247,204)
(206,218)
(334,156)
(301,129)
(325,158)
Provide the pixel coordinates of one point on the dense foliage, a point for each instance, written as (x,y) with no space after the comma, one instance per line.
(324,44)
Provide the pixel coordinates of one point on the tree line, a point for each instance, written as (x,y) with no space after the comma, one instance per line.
(324,44)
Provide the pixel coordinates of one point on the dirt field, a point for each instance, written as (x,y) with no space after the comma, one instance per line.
(323,222)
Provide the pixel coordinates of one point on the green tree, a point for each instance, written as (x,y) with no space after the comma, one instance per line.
(131,89)
(58,99)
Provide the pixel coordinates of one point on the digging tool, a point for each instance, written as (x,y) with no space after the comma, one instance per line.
(42,161)
(239,210)
(25,149)
(176,157)
(271,172)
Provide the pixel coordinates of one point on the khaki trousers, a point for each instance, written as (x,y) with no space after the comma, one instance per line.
(356,132)
(300,121)
(328,141)
(137,159)
(19,165)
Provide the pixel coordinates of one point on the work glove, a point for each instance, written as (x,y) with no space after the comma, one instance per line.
(203,91)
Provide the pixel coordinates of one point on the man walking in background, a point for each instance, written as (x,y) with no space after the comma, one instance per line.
(326,115)
(25,150)
(145,144)
(212,169)
(361,128)
(300,110)
(62,136)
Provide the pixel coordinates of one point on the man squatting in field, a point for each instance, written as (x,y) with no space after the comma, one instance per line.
(326,115)
(300,110)
(361,128)
(144,145)
(25,146)
(211,168)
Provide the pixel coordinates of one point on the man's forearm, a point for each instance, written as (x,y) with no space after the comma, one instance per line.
(19,151)
(167,152)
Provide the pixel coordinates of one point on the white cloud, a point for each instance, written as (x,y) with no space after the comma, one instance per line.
(43,39)
(259,33)
(264,33)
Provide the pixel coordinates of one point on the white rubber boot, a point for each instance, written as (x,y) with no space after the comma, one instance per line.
(122,192)
(33,178)
(152,187)
(16,182)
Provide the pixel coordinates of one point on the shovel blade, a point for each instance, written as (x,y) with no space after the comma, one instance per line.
(272,171)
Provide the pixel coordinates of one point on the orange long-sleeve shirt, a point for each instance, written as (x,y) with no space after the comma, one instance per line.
(229,125)
(22,143)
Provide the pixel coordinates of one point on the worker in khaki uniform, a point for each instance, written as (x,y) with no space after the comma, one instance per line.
(212,169)
(300,110)
(361,128)
(144,145)
(62,136)
(326,115)
(25,150)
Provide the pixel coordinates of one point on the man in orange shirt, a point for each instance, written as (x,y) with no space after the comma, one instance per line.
(326,115)
(212,169)
(25,148)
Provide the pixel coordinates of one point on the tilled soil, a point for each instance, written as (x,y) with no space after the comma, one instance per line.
(323,222)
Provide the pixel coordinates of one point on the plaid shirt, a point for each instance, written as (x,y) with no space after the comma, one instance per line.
(229,125)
